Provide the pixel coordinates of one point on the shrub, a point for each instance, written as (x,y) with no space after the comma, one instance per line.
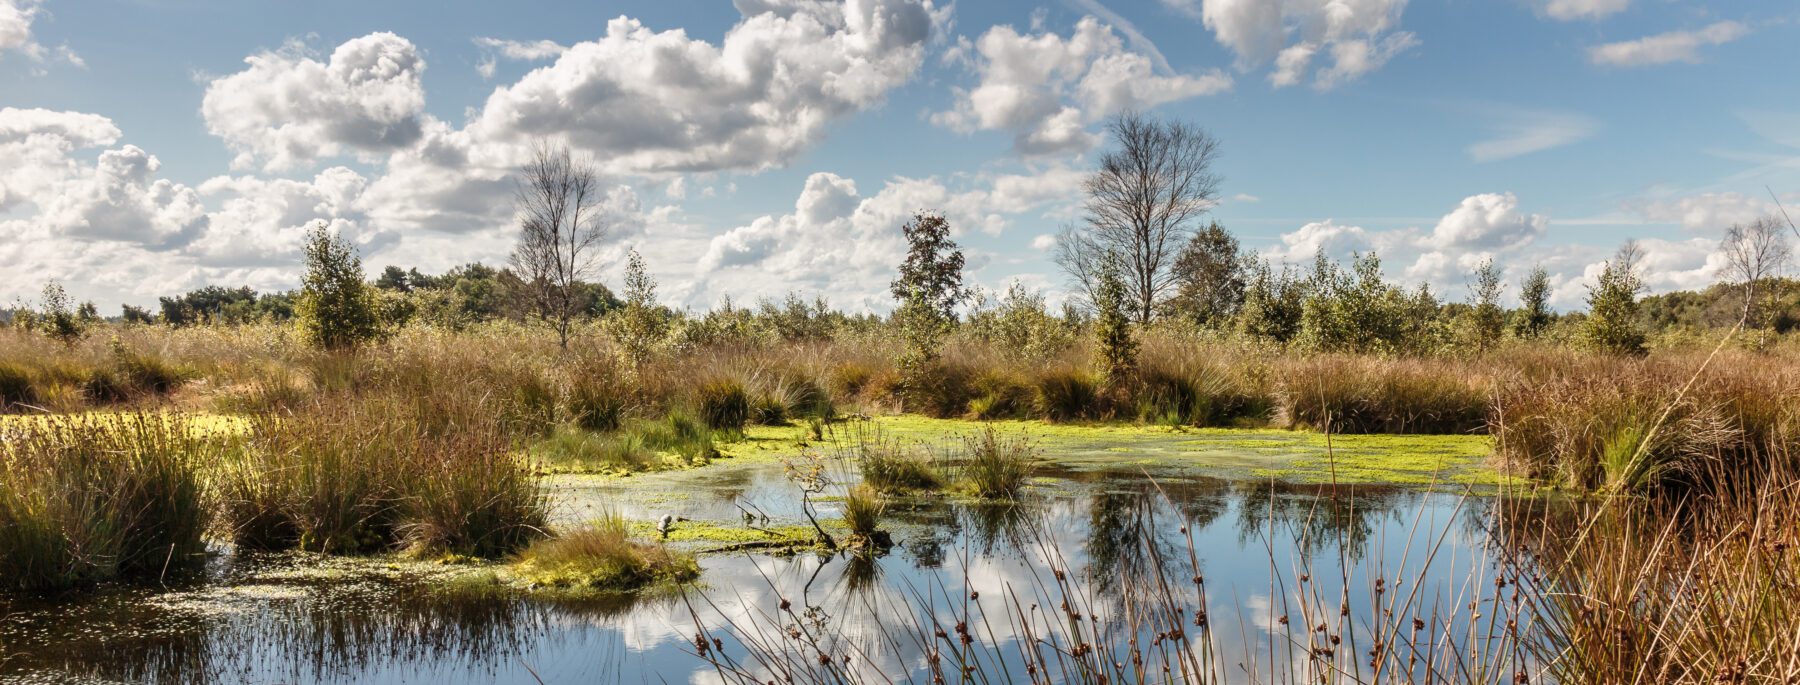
(602,556)
(999,394)
(1067,395)
(335,310)
(370,474)
(84,500)
(767,410)
(997,467)
(937,388)
(723,404)
(471,496)
(848,379)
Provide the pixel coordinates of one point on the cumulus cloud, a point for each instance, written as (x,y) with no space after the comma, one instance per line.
(1521,132)
(16,17)
(1046,89)
(843,243)
(112,229)
(1571,10)
(1711,212)
(1663,48)
(1359,36)
(650,101)
(525,51)
(288,109)
(1488,221)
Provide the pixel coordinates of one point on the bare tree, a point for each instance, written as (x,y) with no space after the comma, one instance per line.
(556,198)
(1754,253)
(1141,207)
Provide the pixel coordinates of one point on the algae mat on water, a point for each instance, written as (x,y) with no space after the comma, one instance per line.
(1293,456)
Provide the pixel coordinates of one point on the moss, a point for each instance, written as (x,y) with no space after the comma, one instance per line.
(714,532)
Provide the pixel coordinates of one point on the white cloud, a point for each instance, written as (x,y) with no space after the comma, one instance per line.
(645,101)
(1245,198)
(15,28)
(1488,221)
(1571,10)
(1663,48)
(526,51)
(288,109)
(111,229)
(1711,212)
(1360,36)
(1046,89)
(1044,242)
(842,243)
(1521,132)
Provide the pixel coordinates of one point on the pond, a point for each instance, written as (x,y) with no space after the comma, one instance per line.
(1108,518)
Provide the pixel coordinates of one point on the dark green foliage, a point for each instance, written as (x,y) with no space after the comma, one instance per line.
(1612,321)
(217,305)
(1273,304)
(136,315)
(1534,314)
(933,268)
(1211,276)
(336,310)
(1112,325)
(939,389)
(723,404)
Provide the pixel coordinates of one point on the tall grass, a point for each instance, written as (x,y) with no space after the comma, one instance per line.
(371,475)
(89,499)
(996,466)
(887,464)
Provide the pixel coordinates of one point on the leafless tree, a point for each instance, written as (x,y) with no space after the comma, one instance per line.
(1142,204)
(557,198)
(1754,253)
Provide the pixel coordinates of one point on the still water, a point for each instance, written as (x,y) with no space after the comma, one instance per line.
(293,619)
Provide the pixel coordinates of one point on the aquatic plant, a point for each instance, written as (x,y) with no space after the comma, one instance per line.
(996,466)
(887,464)
(602,556)
(863,511)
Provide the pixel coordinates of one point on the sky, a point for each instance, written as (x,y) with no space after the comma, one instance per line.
(760,147)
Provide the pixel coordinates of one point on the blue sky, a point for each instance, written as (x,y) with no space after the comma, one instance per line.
(765,146)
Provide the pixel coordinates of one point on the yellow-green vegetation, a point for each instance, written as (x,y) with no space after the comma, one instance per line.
(1298,456)
(199,422)
(602,556)
(779,535)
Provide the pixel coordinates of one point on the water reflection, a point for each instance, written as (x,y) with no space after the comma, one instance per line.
(252,620)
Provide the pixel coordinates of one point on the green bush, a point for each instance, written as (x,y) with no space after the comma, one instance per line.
(602,556)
